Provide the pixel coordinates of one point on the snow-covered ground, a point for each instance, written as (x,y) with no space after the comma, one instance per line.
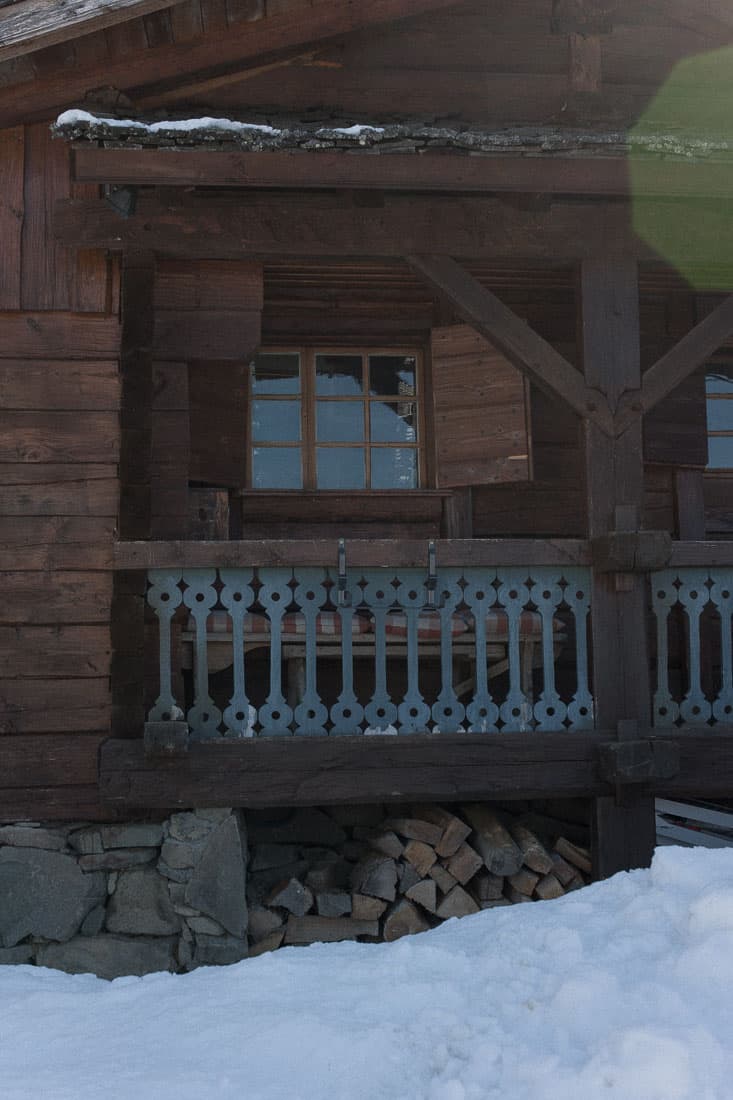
(624,989)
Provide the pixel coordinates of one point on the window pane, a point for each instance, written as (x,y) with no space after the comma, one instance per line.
(339,375)
(720,415)
(339,421)
(394,468)
(276,468)
(340,468)
(276,373)
(393,422)
(392,375)
(720,452)
(718,383)
(276,421)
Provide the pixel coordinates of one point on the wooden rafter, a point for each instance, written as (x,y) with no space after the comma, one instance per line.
(507,332)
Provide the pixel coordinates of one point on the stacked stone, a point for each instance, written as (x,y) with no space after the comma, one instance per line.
(125,899)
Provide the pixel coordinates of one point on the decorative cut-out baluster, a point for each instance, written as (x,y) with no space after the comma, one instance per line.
(448,711)
(204,717)
(347,713)
(413,712)
(310,595)
(549,710)
(664,597)
(721,594)
(379,595)
(479,594)
(237,596)
(694,595)
(516,711)
(577,597)
(275,595)
(164,596)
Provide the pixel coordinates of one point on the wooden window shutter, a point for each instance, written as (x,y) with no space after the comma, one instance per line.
(480,411)
(218,422)
(675,431)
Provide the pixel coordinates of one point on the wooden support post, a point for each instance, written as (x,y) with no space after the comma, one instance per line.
(136,401)
(689,503)
(623,835)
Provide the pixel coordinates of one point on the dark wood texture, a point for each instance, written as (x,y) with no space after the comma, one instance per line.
(480,413)
(609,334)
(218,422)
(718,491)
(11,215)
(51,777)
(690,504)
(53,335)
(170,451)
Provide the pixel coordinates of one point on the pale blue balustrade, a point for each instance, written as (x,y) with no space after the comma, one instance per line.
(307,652)
(693,610)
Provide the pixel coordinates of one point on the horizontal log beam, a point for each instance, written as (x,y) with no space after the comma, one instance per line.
(426,172)
(361,553)
(307,771)
(204,226)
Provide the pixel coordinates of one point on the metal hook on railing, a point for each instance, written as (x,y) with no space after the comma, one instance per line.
(343,598)
(432,582)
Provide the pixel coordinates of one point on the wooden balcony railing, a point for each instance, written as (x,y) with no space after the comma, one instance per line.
(315,650)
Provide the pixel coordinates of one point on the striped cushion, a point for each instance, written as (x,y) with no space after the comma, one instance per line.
(219,622)
(327,623)
(428,625)
(497,625)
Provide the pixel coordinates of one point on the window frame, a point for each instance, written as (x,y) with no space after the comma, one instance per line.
(308,414)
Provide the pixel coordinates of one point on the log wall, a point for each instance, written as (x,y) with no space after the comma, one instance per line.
(59,443)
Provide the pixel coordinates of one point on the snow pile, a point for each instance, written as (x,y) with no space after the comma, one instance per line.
(621,990)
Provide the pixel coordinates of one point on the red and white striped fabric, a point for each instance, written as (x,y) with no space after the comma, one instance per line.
(327,622)
(497,625)
(219,622)
(428,625)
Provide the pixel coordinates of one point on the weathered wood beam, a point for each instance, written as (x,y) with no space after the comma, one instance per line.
(512,336)
(290,771)
(156,71)
(27,26)
(426,172)
(681,361)
(199,225)
(397,553)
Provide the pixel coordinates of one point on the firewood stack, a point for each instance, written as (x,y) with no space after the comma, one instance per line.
(370,873)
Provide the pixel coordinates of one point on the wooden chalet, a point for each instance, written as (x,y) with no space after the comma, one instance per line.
(366,367)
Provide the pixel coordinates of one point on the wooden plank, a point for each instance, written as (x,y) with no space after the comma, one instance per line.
(170,451)
(360,553)
(45,706)
(47,761)
(66,598)
(230,49)
(59,385)
(623,836)
(50,335)
(217,421)
(585,62)
(197,225)
(285,771)
(58,437)
(47,269)
(72,803)
(49,651)
(206,334)
(718,490)
(507,332)
(40,531)
(53,495)
(12,206)
(51,556)
(690,504)
(675,430)
(26,27)
(207,285)
(702,554)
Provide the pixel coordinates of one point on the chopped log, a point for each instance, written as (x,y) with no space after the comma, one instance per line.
(548,887)
(407,876)
(420,855)
(576,883)
(534,853)
(579,857)
(562,870)
(327,875)
(328,929)
(415,829)
(443,879)
(270,943)
(464,864)
(493,903)
(387,842)
(454,829)
(403,919)
(456,904)
(365,908)
(524,881)
(292,895)
(424,893)
(376,876)
(333,904)
(551,827)
(498,851)
(263,922)
(487,887)
(514,895)
(266,856)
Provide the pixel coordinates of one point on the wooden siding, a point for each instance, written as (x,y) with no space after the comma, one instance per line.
(59,443)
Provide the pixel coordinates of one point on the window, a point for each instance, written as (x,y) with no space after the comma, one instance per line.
(719,401)
(323,418)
